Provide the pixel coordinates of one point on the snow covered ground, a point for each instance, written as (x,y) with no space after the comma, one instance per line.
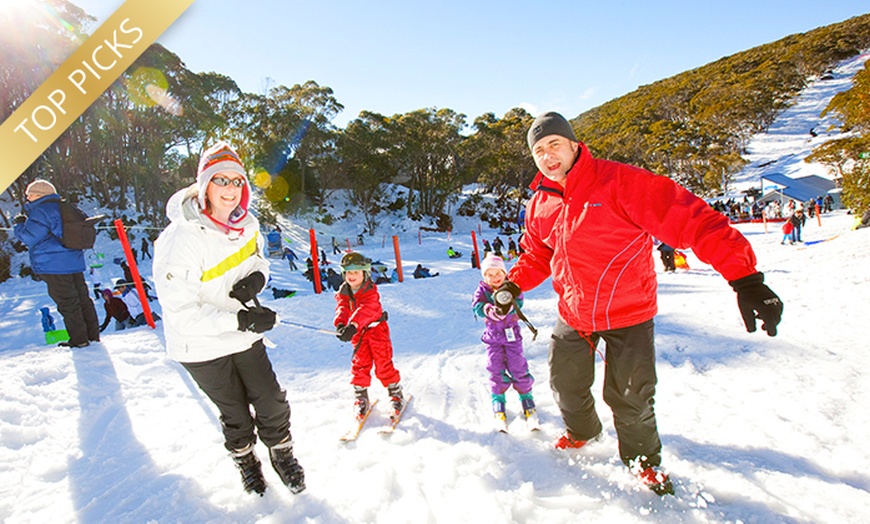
(755,429)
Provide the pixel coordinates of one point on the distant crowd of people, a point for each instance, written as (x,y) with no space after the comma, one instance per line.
(774,209)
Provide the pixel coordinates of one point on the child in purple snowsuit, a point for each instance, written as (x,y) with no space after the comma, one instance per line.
(506,363)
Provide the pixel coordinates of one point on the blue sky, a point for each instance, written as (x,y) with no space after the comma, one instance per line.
(474,57)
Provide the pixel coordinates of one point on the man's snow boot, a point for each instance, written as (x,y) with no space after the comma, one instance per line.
(396,399)
(566,441)
(651,476)
(288,468)
(250,468)
(361,404)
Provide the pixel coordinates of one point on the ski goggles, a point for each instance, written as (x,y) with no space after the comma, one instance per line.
(224,181)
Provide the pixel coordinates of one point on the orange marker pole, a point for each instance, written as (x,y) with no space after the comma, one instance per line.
(398,258)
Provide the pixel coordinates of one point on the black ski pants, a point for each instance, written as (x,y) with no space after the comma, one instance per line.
(236,382)
(629,386)
(73,299)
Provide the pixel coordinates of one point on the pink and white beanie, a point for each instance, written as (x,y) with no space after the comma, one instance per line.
(492,261)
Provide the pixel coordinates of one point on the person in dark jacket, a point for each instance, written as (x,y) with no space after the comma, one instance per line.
(667,254)
(423,272)
(797,219)
(589,227)
(116,309)
(62,269)
(333,279)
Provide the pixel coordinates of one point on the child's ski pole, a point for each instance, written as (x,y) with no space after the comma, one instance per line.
(305,326)
(294,324)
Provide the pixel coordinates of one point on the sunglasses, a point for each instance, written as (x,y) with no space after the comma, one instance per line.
(223,181)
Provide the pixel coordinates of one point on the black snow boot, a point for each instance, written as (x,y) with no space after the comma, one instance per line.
(361,404)
(396,399)
(288,468)
(251,469)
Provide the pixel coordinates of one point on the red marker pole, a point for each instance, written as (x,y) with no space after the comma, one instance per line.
(476,253)
(134,269)
(315,269)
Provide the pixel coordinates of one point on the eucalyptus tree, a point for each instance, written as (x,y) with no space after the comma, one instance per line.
(427,144)
(34,41)
(497,155)
(366,163)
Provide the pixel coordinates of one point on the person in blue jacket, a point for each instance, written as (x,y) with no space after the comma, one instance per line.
(61,268)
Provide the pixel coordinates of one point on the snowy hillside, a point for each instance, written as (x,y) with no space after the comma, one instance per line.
(755,429)
(789,140)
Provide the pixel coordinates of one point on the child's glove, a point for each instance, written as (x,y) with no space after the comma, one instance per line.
(345,333)
(247,288)
(256,320)
(20,219)
(756,300)
(492,312)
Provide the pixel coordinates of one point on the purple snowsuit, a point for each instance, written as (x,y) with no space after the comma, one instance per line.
(506,363)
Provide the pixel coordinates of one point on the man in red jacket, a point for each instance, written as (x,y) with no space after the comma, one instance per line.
(590,226)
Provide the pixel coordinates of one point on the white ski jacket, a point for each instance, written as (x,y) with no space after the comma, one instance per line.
(195,266)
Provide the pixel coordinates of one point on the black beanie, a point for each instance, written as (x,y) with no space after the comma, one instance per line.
(550,124)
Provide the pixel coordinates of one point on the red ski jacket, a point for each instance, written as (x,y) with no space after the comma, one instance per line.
(361,308)
(595,239)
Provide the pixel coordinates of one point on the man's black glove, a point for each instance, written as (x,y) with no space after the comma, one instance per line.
(256,320)
(20,219)
(247,288)
(504,296)
(756,300)
(345,333)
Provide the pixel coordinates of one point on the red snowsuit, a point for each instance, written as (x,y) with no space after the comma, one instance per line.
(596,241)
(371,343)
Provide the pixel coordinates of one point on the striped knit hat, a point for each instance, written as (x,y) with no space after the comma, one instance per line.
(221,158)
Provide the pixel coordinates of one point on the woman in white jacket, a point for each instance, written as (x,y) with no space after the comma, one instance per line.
(208,267)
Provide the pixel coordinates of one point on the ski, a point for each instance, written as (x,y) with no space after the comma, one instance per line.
(390,426)
(353,432)
(532,422)
(499,421)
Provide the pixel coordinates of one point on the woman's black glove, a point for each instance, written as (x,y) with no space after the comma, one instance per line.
(756,300)
(20,219)
(345,333)
(247,288)
(256,320)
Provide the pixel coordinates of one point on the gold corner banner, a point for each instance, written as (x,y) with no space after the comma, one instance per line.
(80,80)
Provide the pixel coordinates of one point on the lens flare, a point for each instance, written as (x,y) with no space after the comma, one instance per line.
(148,87)
(262,179)
(277,190)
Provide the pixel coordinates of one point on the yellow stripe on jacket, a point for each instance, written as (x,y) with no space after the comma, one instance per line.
(231,261)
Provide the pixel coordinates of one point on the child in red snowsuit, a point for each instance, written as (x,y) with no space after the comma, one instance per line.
(360,320)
